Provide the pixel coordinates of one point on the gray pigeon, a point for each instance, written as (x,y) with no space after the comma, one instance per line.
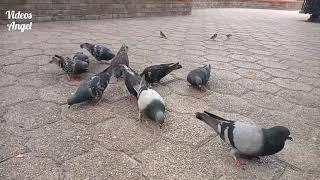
(214,36)
(132,79)
(162,35)
(120,58)
(92,89)
(79,56)
(150,104)
(98,51)
(155,73)
(199,77)
(71,67)
(247,139)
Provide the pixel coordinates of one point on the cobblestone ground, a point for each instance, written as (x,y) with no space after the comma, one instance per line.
(267,73)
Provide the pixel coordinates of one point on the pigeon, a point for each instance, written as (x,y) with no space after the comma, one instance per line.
(98,51)
(81,57)
(229,35)
(132,79)
(120,58)
(92,89)
(154,73)
(69,66)
(246,139)
(150,104)
(162,35)
(214,36)
(199,77)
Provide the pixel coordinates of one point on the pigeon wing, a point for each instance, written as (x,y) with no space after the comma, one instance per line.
(246,138)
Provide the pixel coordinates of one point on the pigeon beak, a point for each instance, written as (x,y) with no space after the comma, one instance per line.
(290,138)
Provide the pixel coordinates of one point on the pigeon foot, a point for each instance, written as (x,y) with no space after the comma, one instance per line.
(98,103)
(73,77)
(139,118)
(238,163)
(130,97)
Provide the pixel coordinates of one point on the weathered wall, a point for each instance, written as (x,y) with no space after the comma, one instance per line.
(259,4)
(52,10)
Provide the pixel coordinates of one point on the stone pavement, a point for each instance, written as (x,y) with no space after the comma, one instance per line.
(267,73)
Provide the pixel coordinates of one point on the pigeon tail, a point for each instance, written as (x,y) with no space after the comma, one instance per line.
(59,60)
(108,69)
(210,119)
(77,98)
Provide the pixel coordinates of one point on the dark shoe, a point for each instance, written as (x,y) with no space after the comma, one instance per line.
(314,18)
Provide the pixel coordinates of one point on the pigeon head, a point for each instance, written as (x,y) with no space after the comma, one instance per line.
(124,48)
(83,45)
(86,46)
(274,139)
(283,133)
(159,118)
(196,80)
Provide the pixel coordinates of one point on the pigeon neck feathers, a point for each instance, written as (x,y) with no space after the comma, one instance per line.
(142,88)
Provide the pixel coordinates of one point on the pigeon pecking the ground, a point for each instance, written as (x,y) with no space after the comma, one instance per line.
(71,67)
(132,80)
(162,35)
(92,89)
(98,51)
(150,104)
(214,36)
(155,73)
(246,139)
(120,58)
(199,77)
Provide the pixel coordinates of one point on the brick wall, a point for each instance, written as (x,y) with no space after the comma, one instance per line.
(259,4)
(53,10)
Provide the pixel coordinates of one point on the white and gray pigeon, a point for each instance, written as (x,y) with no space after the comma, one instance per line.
(91,89)
(120,58)
(150,104)
(71,67)
(132,79)
(246,139)
(98,51)
(199,77)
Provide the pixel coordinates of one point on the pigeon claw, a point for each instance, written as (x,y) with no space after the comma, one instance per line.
(238,163)
(73,77)
(98,103)
(139,118)
(130,97)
